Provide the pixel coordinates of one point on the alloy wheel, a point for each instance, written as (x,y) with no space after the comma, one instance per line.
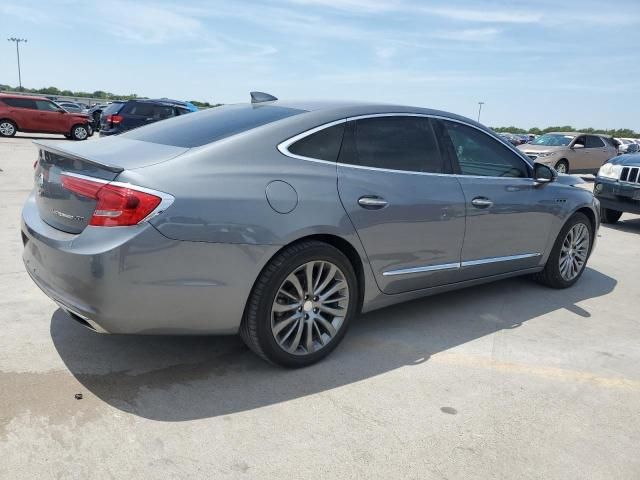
(574,251)
(7,129)
(309,307)
(80,133)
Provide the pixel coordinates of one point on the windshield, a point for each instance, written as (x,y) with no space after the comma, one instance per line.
(553,140)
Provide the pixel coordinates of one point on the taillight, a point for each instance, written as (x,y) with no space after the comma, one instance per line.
(117,205)
(114,119)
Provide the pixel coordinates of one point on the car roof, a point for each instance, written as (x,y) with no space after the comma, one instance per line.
(343,108)
(575,134)
(28,97)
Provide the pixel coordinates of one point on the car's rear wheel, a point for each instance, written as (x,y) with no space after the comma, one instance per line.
(569,255)
(7,128)
(90,129)
(609,216)
(562,166)
(79,132)
(301,305)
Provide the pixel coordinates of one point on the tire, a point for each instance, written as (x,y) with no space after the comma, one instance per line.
(552,276)
(8,128)
(90,129)
(79,132)
(266,331)
(609,216)
(562,166)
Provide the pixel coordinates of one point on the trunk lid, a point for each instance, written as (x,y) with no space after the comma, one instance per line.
(103,160)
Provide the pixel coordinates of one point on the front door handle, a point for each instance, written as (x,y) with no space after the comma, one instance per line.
(481,202)
(371,202)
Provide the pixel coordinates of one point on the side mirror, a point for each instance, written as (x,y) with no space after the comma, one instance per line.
(577,145)
(544,174)
(62,110)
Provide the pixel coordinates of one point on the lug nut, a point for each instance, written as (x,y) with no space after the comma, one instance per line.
(299,309)
(316,298)
(316,310)
(306,316)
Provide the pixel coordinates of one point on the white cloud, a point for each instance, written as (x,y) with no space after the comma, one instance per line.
(484,15)
(147,24)
(468,35)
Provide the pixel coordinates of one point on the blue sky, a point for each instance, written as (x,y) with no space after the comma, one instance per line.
(534,63)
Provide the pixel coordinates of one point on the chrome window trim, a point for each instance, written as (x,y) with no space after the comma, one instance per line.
(283,147)
(166,200)
(458,265)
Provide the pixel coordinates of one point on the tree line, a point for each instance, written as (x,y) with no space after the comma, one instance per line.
(97,94)
(618,133)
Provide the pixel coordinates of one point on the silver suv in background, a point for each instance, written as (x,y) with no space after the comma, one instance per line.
(571,151)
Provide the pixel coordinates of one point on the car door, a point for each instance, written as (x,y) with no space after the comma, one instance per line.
(598,152)
(405,205)
(49,118)
(578,155)
(23,111)
(508,217)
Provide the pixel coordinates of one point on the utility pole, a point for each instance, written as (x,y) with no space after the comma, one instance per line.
(17,41)
(479,110)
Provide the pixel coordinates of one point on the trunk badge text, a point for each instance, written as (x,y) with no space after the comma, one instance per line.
(67,216)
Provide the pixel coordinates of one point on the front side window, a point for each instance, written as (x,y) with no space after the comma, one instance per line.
(594,142)
(553,140)
(396,143)
(479,154)
(321,145)
(46,106)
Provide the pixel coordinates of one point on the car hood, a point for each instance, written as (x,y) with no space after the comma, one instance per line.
(530,148)
(628,159)
(568,179)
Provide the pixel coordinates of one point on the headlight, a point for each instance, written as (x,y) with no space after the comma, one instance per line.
(545,154)
(609,170)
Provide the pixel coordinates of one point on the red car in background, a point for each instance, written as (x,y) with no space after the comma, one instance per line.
(40,115)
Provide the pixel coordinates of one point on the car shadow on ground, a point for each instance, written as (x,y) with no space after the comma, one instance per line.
(184,378)
(629,226)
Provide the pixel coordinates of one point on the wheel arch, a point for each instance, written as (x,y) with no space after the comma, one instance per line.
(10,120)
(344,246)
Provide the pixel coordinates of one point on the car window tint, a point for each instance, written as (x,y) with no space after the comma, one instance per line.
(112,108)
(479,154)
(46,106)
(161,112)
(594,142)
(20,102)
(396,143)
(322,145)
(139,108)
(207,126)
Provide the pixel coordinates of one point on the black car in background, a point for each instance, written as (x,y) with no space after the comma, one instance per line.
(122,116)
(617,186)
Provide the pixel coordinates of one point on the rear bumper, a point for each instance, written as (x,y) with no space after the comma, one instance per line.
(618,196)
(135,280)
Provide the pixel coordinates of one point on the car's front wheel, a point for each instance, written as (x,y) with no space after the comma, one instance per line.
(301,305)
(562,166)
(609,216)
(79,132)
(569,255)
(7,128)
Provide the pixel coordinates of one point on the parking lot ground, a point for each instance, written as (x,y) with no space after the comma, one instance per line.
(507,380)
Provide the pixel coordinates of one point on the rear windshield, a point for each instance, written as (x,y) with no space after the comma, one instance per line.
(112,108)
(201,128)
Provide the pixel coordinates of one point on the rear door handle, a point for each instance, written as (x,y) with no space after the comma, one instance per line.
(481,202)
(371,202)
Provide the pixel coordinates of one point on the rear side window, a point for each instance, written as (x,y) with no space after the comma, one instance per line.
(139,108)
(201,128)
(396,143)
(321,145)
(594,142)
(479,154)
(20,102)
